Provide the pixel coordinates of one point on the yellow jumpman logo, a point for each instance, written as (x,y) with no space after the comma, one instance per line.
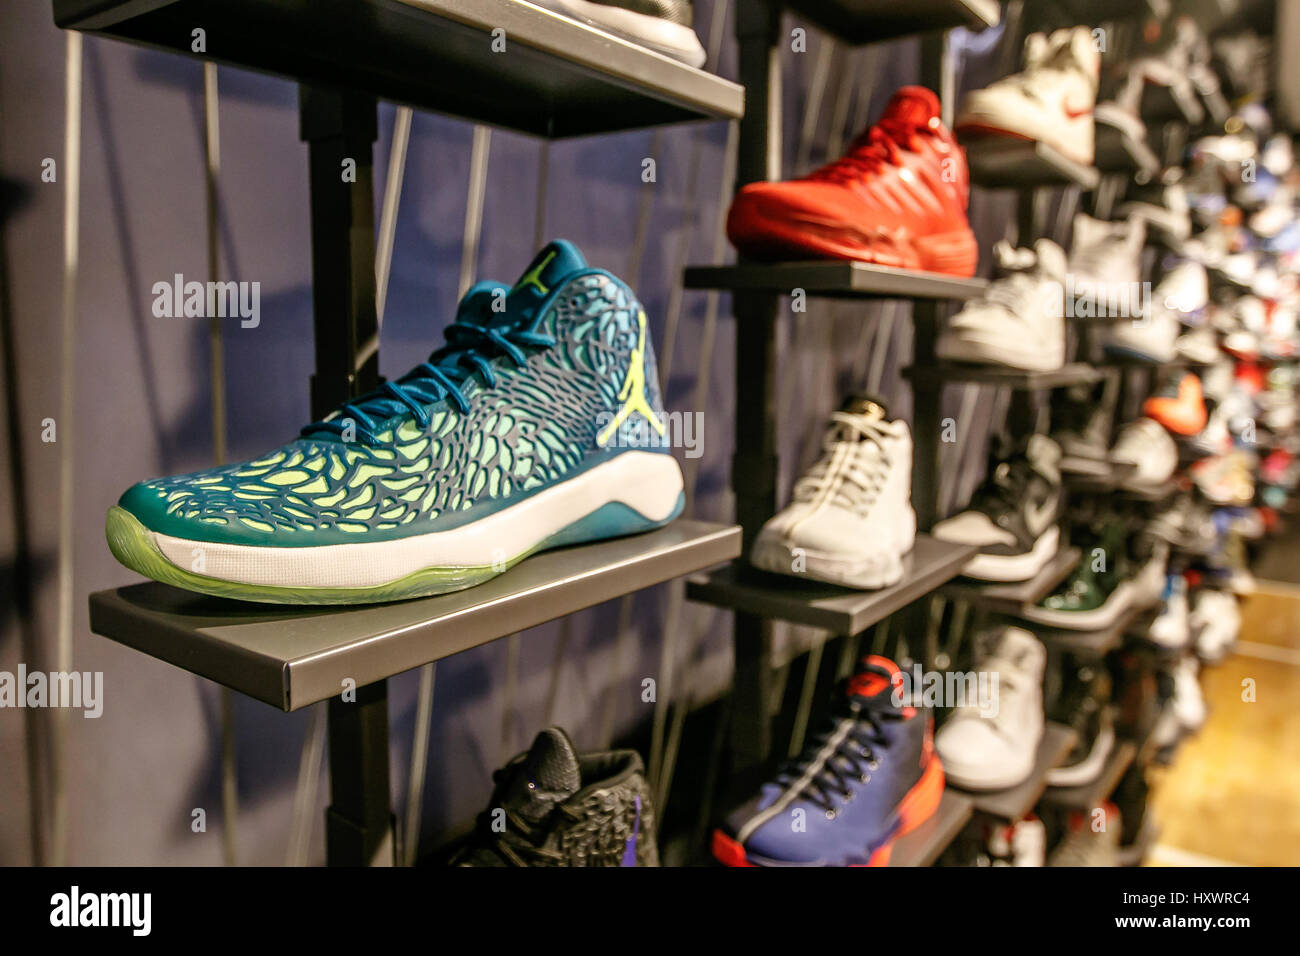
(632,394)
(534,276)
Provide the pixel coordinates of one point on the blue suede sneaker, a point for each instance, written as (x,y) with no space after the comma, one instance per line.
(868,778)
(538,424)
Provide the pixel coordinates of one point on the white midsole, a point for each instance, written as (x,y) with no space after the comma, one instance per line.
(1120,601)
(1016,567)
(650,483)
(675,39)
(881,568)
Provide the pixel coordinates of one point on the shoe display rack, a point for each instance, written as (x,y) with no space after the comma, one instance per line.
(561,79)
(564,79)
(758,293)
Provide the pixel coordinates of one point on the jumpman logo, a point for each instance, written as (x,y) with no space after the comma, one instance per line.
(534,276)
(632,394)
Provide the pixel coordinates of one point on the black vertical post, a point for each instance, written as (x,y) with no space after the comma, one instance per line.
(340,129)
(754,466)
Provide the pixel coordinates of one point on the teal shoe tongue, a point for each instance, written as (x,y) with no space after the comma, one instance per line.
(558,260)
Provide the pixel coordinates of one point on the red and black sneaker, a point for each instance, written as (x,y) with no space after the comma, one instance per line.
(897,198)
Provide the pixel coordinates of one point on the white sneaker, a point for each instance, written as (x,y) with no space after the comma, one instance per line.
(1199,346)
(1189,702)
(1172,628)
(1050,101)
(1216,621)
(1147,445)
(1019,322)
(667,31)
(851,520)
(1105,267)
(1184,290)
(1151,339)
(1163,205)
(992,745)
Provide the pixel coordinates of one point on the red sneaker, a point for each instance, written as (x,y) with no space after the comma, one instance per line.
(897,198)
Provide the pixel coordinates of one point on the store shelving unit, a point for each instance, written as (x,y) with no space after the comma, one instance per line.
(833,279)
(871,21)
(1076,373)
(555,77)
(923,845)
(841,611)
(1010,598)
(1004,163)
(291,656)
(757,292)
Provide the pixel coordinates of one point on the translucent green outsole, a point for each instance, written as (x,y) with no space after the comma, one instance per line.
(131,544)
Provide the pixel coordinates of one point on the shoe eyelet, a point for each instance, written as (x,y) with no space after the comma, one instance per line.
(874,764)
(864,778)
(831,814)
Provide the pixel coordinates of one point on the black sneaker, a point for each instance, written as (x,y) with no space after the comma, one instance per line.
(1084,704)
(1013,516)
(664,26)
(552,807)
(1081,417)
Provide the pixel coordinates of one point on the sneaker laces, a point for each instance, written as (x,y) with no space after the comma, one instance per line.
(852,760)
(855,468)
(881,145)
(469,350)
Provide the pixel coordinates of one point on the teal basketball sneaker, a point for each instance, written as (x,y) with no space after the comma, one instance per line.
(538,424)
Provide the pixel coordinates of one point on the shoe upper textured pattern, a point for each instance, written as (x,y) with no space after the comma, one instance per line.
(568,407)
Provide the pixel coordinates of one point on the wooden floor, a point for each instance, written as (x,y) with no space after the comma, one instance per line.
(1233,792)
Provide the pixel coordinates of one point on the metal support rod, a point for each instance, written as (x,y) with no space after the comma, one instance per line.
(359,824)
(340,130)
(67,415)
(419,765)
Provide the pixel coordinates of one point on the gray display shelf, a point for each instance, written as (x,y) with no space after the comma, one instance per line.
(1005,163)
(835,609)
(1013,803)
(923,845)
(833,278)
(1094,793)
(1010,598)
(942,373)
(292,656)
(1090,643)
(556,77)
(870,21)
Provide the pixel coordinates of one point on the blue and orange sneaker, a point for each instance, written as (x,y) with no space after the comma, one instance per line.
(538,424)
(871,776)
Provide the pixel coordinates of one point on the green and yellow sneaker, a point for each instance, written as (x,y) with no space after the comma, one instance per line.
(538,424)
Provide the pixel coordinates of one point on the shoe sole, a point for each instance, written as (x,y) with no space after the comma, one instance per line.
(773,554)
(1088,769)
(954,348)
(918,805)
(632,493)
(674,40)
(759,229)
(1009,568)
(1094,620)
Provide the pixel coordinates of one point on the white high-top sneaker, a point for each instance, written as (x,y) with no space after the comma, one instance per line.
(992,744)
(1050,101)
(851,520)
(1020,321)
(1105,268)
